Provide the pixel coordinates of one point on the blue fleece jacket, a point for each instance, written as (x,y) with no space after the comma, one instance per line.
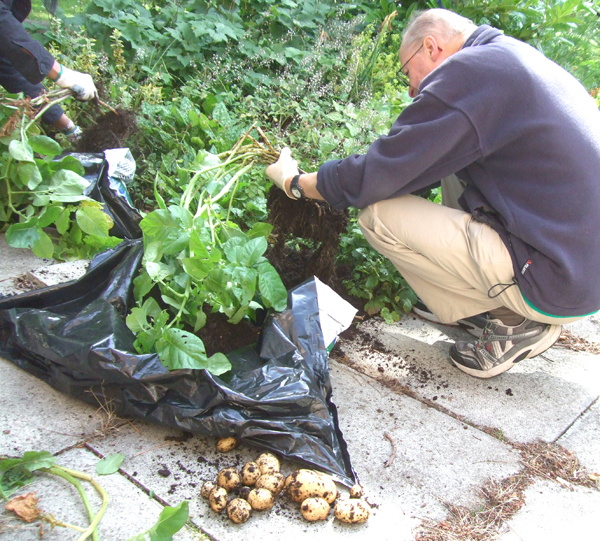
(525,137)
(27,55)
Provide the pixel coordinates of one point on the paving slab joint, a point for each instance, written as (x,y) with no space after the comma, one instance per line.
(504,498)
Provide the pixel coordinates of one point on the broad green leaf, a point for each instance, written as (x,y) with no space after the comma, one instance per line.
(179,349)
(20,151)
(200,320)
(94,221)
(197,268)
(173,302)
(153,252)
(170,226)
(110,464)
(50,215)
(158,271)
(218,364)
(30,461)
(23,235)
(271,287)
(260,229)
(245,280)
(136,320)
(45,145)
(30,175)
(71,163)
(43,247)
(170,521)
(63,221)
(17,472)
(245,252)
(67,182)
(142,285)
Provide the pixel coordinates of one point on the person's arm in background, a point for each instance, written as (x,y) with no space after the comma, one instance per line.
(34,62)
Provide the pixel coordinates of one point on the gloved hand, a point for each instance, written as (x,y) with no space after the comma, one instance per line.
(284,168)
(80,83)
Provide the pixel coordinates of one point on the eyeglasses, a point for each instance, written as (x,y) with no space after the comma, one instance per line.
(403,76)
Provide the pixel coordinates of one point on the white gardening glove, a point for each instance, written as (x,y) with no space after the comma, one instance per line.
(80,83)
(284,168)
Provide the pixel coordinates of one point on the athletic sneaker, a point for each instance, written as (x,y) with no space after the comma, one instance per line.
(501,346)
(473,325)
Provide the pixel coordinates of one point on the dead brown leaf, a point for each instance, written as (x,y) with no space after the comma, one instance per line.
(24,506)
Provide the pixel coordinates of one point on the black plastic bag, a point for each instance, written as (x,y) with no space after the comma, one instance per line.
(277,397)
(112,193)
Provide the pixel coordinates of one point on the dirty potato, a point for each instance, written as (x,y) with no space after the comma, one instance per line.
(243,492)
(226,444)
(314,509)
(250,473)
(268,463)
(206,488)
(238,510)
(352,511)
(218,499)
(273,482)
(356,491)
(304,484)
(230,479)
(261,499)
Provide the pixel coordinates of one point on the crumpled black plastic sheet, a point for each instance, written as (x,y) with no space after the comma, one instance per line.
(115,202)
(278,396)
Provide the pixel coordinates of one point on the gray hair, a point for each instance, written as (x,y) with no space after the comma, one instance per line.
(440,23)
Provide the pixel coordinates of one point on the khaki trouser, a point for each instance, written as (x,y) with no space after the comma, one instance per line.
(457,266)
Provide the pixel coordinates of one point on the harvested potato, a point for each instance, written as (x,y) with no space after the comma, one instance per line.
(238,510)
(218,499)
(230,479)
(206,488)
(273,482)
(226,444)
(268,463)
(243,492)
(304,484)
(250,473)
(314,509)
(356,491)
(352,511)
(261,499)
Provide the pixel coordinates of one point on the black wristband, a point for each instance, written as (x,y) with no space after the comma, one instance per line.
(295,188)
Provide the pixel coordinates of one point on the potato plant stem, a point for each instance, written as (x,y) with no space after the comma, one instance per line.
(72,477)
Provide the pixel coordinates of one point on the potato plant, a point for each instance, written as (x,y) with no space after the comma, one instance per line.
(42,205)
(198,258)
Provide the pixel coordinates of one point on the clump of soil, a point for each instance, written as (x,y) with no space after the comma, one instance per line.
(313,221)
(109,131)
(220,336)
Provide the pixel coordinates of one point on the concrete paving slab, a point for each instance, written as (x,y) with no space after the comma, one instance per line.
(35,417)
(129,510)
(555,513)
(59,273)
(16,261)
(438,459)
(583,438)
(536,400)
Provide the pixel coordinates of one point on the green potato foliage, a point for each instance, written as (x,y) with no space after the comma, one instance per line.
(201,263)
(41,192)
